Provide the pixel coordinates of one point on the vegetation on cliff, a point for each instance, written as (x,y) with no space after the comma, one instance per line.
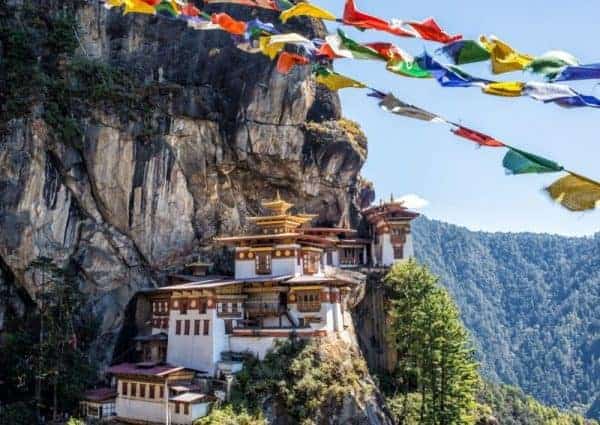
(43,361)
(531,302)
(299,383)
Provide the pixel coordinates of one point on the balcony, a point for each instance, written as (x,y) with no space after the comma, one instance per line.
(263,308)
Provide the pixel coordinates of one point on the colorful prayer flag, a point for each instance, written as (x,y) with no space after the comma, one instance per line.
(465,51)
(407,68)
(505,88)
(227,23)
(334,81)
(287,61)
(430,30)
(550,64)
(388,51)
(307,9)
(477,137)
(547,92)
(356,18)
(575,192)
(190,10)
(520,162)
(272,45)
(138,6)
(344,46)
(448,75)
(265,4)
(578,101)
(168,7)
(202,24)
(505,58)
(579,72)
(392,104)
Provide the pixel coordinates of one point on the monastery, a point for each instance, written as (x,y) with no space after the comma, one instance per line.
(290,280)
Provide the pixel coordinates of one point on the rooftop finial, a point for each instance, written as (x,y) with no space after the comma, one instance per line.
(392,197)
(278,195)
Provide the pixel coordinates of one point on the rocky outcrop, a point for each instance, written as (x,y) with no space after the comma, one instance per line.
(207,132)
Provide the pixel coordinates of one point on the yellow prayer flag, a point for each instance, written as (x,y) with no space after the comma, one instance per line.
(307,9)
(576,193)
(336,82)
(504,58)
(138,6)
(270,50)
(113,3)
(509,88)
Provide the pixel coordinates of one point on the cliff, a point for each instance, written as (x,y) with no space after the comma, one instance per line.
(129,142)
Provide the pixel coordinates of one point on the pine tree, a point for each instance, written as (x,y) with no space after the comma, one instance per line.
(435,358)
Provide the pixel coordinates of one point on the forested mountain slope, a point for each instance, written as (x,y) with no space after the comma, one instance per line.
(531,301)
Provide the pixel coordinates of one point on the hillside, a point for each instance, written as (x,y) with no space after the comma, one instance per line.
(532,303)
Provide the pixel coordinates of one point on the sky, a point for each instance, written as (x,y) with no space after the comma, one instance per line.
(462,183)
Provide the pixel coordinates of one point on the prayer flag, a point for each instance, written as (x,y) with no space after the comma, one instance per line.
(579,72)
(519,162)
(477,137)
(505,88)
(547,92)
(109,4)
(448,75)
(505,58)
(465,51)
(388,51)
(334,81)
(354,17)
(408,69)
(190,10)
(575,192)
(579,100)
(283,4)
(327,51)
(168,7)
(256,27)
(392,104)
(287,61)
(353,48)
(430,30)
(550,64)
(265,4)
(138,6)
(229,24)
(202,24)
(306,9)
(272,45)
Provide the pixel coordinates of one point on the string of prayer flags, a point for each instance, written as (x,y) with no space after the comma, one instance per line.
(505,58)
(287,61)
(477,137)
(392,104)
(306,9)
(550,64)
(465,51)
(520,162)
(358,19)
(505,88)
(264,4)
(430,30)
(579,72)
(334,81)
(227,23)
(575,192)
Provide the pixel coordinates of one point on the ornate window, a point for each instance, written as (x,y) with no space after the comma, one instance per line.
(308,301)
(263,263)
(311,262)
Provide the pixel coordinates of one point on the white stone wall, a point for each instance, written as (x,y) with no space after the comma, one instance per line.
(387,250)
(196,411)
(245,269)
(200,352)
(408,249)
(146,410)
(283,266)
(258,346)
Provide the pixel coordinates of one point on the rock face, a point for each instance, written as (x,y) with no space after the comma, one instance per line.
(144,191)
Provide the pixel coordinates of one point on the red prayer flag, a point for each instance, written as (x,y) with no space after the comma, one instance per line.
(228,23)
(387,50)
(152,2)
(265,4)
(287,61)
(354,17)
(430,30)
(190,10)
(477,137)
(327,51)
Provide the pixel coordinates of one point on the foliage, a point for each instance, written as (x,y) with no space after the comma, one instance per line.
(510,406)
(303,379)
(228,416)
(531,302)
(45,358)
(435,358)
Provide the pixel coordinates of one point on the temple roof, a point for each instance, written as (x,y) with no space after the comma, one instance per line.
(100,394)
(144,369)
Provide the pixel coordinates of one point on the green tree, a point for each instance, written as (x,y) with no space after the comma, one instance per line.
(435,357)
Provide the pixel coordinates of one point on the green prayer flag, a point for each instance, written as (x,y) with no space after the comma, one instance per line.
(358,50)
(552,63)
(166,7)
(408,69)
(520,162)
(466,51)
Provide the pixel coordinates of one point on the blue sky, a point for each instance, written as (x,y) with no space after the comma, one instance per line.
(464,184)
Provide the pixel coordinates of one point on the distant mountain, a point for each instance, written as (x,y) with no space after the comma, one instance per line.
(532,303)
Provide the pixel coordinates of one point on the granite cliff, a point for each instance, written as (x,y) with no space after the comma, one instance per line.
(136,140)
